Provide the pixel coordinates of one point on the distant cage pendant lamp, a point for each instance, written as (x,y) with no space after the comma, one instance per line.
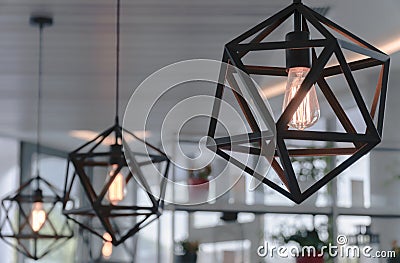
(304,69)
(40,226)
(107,207)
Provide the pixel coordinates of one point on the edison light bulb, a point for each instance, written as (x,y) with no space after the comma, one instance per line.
(38,216)
(107,248)
(116,191)
(308,113)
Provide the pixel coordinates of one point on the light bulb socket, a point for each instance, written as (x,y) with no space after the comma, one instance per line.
(37,196)
(115,154)
(298,57)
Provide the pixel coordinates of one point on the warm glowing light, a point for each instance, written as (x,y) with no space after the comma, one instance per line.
(90,135)
(107,248)
(116,191)
(38,216)
(391,47)
(308,113)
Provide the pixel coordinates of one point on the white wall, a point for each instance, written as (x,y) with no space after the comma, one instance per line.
(385,165)
(9,181)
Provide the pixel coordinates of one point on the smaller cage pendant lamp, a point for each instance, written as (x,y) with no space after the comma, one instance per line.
(40,227)
(336,55)
(99,171)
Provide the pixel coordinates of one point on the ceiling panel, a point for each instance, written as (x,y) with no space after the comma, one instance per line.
(80,57)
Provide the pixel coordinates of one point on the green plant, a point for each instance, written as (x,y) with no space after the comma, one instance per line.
(396,249)
(202,173)
(188,247)
(303,238)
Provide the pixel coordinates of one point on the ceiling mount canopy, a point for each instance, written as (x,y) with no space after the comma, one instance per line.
(99,174)
(311,62)
(41,227)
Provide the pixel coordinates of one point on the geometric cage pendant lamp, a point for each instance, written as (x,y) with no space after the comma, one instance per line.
(105,182)
(311,64)
(40,226)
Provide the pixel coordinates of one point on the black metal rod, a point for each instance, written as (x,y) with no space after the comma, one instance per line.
(258,101)
(255,174)
(321,152)
(311,18)
(242,138)
(335,104)
(326,179)
(363,50)
(39,99)
(264,33)
(151,146)
(339,29)
(283,14)
(117,66)
(163,187)
(91,194)
(218,97)
(288,168)
(325,136)
(300,44)
(354,66)
(108,184)
(234,86)
(354,89)
(383,96)
(241,149)
(270,71)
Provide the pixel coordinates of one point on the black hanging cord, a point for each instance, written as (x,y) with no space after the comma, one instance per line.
(117,62)
(39,101)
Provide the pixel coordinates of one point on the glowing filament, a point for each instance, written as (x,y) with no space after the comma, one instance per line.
(38,216)
(308,112)
(116,191)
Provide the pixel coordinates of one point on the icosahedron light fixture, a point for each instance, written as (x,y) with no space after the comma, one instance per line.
(305,68)
(99,172)
(40,226)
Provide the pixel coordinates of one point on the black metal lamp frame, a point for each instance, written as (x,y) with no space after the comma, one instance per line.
(23,197)
(22,236)
(253,41)
(82,160)
(87,157)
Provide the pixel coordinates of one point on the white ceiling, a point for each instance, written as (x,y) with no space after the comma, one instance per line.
(80,55)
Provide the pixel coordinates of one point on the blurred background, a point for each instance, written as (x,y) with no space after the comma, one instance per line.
(78,102)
